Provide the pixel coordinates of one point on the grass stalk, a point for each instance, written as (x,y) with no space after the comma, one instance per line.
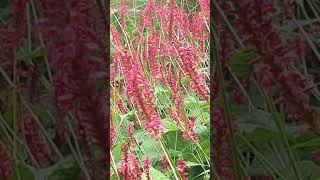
(226,106)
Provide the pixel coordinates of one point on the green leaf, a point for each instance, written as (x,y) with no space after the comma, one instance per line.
(239,62)
(309,171)
(24,171)
(65,173)
(190,99)
(4,13)
(256,119)
(201,128)
(64,169)
(8,116)
(240,110)
(175,141)
(258,126)
(117,152)
(4,3)
(257,168)
(25,55)
(256,96)
(193,103)
(315,142)
(38,111)
(130,116)
(169,125)
(290,26)
(193,164)
(119,77)
(103,84)
(155,175)
(185,80)
(149,147)
(161,90)
(260,136)
(162,97)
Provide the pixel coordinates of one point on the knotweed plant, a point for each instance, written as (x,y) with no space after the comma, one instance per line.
(52,62)
(160,96)
(269,101)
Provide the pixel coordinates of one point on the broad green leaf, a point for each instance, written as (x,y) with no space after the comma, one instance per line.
(200,128)
(240,110)
(24,171)
(162,97)
(150,148)
(39,111)
(190,99)
(256,96)
(117,152)
(197,108)
(169,125)
(161,90)
(185,80)
(64,169)
(256,119)
(175,141)
(155,175)
(27,56)
(256,167)
(258,126)
(4,13)
(193,102)
(239,62)
(260,136)
(8,116)
(172,152)
(130,116)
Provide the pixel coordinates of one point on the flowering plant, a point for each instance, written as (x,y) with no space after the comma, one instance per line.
(268,103)
(160,94)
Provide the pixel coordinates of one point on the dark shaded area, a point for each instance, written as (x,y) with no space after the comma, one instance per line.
(54,89)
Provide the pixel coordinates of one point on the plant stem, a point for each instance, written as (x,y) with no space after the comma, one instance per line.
(281,126)
(226,105)
(15,118)
(169,160)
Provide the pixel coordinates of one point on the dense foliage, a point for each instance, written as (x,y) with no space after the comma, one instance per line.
(266,118)
(160,95)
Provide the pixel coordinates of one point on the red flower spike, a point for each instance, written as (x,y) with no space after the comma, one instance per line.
(182,167)
(146,167)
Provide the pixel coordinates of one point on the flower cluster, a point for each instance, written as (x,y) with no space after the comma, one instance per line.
(190,61)
(221,144)
(36,143)
(142,96)
(165,163)
(129,166)
(5,165)
(278,70)
(76,55)
(159,59)
(12,34)
(278,60)
(146,167)
(182,167)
